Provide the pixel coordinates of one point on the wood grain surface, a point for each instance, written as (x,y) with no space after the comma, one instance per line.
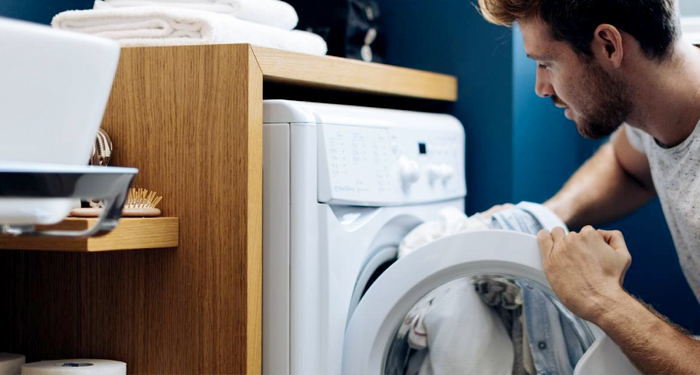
(353,75)
(254,218)
(130,234)
(190,118)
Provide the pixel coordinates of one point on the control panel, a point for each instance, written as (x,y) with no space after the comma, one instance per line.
(390,164)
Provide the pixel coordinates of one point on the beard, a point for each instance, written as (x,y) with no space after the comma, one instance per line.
(607,103)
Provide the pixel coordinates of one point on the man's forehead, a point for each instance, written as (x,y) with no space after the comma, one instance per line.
(537,39)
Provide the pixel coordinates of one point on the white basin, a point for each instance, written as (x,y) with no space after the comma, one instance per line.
(54,87)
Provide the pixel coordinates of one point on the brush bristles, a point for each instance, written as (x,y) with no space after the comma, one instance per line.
(142,198)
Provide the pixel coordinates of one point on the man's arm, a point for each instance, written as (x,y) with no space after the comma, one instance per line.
(586,271)
(614,182)
(653,344)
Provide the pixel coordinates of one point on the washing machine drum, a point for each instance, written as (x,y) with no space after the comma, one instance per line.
(420,315)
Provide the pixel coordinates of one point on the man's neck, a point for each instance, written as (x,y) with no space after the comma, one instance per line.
(667,97)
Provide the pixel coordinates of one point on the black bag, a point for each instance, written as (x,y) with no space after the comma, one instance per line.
(350,27)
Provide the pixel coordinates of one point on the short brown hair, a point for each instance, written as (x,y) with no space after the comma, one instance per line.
(654,23)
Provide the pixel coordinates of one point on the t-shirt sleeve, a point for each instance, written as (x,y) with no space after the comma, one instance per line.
(635,137)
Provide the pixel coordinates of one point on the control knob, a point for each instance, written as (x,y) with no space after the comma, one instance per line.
(409,170)
(447,172)
(434,173)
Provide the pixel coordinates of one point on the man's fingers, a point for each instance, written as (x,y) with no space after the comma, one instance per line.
(487,214)
(587,230)
(558,234)
(545,239)
(546,243)
(614,238)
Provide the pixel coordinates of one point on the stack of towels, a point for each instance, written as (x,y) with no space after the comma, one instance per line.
(266,23)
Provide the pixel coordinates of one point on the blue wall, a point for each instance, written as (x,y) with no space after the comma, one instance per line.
(520,147)
(40,11)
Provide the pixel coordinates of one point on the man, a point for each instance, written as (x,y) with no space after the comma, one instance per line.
(609,62)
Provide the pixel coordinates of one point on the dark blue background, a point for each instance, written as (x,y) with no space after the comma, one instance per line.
(40,11)
(520,147)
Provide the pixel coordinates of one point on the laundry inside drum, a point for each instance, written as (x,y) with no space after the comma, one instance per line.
(488,324)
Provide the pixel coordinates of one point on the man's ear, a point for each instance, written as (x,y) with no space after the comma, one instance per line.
(607,46)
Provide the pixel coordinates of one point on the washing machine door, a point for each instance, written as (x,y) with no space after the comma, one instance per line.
(372,332)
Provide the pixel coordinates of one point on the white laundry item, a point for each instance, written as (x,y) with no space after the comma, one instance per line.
(266,12)
(452,221)
(163,26)
(421,236)
(465,336)
(414,323)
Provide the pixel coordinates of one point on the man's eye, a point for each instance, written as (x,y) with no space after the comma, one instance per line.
(542,66)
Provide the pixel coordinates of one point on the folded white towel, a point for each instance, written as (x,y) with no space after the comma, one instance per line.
(162,26)
(267,12)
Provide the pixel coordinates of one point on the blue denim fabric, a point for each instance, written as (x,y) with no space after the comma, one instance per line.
(555,346)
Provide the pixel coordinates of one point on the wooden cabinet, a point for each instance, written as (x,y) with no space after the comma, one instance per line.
(190,118)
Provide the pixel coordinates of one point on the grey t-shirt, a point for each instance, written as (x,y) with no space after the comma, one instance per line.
(675,173)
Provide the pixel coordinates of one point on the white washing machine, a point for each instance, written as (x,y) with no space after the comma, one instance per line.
(342,186)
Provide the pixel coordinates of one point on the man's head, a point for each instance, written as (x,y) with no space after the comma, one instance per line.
(579,46)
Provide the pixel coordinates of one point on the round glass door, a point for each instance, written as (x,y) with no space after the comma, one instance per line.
(471,303)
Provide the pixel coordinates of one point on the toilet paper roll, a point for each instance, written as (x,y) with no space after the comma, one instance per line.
(11,364)
(75,367)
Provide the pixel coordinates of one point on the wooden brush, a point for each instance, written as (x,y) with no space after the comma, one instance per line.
(139,203)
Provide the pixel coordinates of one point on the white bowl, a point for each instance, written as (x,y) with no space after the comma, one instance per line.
(54,87)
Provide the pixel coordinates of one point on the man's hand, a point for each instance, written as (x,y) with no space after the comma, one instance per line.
(585,269)
(494,209)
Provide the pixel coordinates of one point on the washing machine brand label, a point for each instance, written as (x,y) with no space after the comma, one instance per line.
(344,189)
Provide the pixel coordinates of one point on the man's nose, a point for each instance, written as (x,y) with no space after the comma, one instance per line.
(543,88)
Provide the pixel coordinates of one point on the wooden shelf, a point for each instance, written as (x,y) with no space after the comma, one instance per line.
(353,75)
(130,234)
